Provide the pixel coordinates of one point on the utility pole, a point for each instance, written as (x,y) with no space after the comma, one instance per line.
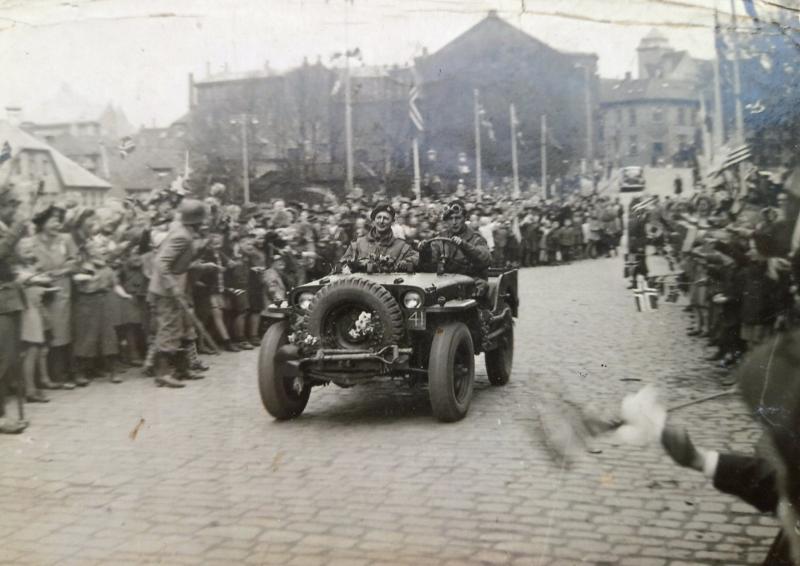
(348,126)
(478,188)
(514,162)
(544,156)
(243,121)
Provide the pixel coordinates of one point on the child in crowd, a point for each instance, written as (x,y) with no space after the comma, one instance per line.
(96,311)
(35,322)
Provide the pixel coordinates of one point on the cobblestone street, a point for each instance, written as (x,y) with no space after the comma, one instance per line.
(137,474)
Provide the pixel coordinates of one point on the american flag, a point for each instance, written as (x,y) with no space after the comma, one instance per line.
(736,156)
(413,109)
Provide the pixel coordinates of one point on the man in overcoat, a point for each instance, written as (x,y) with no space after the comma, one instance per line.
(168,290)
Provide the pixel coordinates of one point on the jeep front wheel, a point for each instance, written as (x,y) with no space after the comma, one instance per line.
(451,372)
(284,397)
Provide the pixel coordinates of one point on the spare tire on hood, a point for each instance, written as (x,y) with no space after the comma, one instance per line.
(336,306)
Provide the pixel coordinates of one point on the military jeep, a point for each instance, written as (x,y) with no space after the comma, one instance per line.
(347,329)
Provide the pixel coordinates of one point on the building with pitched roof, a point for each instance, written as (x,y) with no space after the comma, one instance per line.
(34,162)
(506,66)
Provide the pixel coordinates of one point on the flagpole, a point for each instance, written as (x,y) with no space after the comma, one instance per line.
(718,133)
(737,92)
(417,184)
(544,155)
(514,160)
(708,150)
(478,188)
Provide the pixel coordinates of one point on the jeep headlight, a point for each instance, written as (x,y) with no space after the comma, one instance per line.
(304,300)
(412,300)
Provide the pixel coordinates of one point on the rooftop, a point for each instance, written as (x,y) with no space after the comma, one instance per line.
(71,174)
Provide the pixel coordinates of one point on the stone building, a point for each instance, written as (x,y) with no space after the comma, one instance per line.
(653,119)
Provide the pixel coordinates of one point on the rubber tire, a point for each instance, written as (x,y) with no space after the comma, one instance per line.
(357,290)
(500,361)
(278,401)
(446,341)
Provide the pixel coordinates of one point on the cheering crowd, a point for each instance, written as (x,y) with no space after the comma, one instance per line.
(85,294)
(737,263)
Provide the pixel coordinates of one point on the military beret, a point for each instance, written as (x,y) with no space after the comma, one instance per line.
(382,207)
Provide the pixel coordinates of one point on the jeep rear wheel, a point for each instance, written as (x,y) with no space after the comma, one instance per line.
(451,372)
(500,360)
(284,397)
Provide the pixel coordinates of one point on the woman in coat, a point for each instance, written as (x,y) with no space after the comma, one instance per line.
(57,255)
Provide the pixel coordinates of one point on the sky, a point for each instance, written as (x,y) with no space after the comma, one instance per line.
(138,53)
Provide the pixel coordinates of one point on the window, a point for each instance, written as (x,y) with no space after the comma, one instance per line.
(633,146)
(683,141)
(681,116)
(658,115)
(631,116)
(619,115)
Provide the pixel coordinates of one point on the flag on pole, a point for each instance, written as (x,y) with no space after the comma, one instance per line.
(413,109)
(5,152)
(126,146)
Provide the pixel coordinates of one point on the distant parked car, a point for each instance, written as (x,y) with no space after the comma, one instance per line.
(632,180)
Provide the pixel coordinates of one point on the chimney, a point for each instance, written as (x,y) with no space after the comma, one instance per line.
(267,67)
(492,14)
(628,76)
(14,115)
(208,69)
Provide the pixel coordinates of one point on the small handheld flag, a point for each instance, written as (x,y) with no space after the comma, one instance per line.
(646,298)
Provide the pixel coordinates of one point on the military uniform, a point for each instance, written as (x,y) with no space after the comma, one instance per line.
(168,285)
(471,258)
(168,289)
(383,252)
(11,306)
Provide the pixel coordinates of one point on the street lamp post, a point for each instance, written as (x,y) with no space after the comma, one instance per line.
(243,120)
(589,125)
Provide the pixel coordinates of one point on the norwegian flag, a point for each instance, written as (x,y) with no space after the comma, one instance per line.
(413,109)
(5,152)
(646,297)
(126,146)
